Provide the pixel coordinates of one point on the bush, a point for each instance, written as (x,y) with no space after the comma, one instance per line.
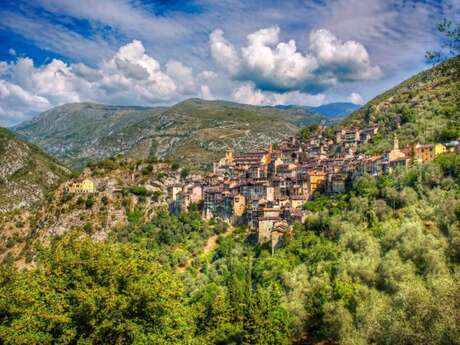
(89,202)
(147,170)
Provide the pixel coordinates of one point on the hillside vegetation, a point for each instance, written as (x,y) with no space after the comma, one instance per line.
(27,174)
(424,108)
(376,265)
(194,131)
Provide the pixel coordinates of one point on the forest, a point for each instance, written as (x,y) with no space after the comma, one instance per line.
(379,264)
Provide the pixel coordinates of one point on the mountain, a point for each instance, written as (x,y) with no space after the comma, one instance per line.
(424,108)
(329,110)
(27,174)
(193,131)
(336,109)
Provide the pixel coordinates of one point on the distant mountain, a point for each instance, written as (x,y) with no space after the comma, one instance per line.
(193,131)
(27,174)
(336,109)
(331,110)
(424,108)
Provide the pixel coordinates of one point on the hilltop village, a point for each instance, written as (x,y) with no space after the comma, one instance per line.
(267,190)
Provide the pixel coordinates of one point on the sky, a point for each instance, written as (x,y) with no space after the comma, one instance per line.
(149,53)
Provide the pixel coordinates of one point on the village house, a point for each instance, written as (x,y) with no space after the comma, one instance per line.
(428,152)
(84,187)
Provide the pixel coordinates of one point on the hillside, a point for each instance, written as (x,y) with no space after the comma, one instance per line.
(27,174)
(424,108)
(194,131)
(378,264)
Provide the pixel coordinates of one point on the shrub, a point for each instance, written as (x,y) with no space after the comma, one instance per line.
(89,202)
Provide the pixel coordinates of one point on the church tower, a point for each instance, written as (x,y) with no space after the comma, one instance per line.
(229,155)
(395,143)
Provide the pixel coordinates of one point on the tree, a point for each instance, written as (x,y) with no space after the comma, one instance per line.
(184,173)
(450,42)
(87,292)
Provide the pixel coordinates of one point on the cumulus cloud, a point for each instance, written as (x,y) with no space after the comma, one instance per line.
(280,67)
(131,76)
(356,98)
(248,94)
(17,103)
(223,52)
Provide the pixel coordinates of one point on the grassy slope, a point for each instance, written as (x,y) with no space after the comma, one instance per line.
(427,104)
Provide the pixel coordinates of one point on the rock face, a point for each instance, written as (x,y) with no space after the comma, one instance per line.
(26,173)
(194,131)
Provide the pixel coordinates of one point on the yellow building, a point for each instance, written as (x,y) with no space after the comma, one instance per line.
(316,180)
(428,152)
(239,205)
(85,186)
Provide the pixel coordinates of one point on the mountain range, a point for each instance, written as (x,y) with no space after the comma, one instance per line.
(194,131)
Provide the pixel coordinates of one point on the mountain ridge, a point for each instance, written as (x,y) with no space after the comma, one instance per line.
(78,133)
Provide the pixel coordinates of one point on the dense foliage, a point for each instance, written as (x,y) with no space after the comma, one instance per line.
(379,264)
(424,109)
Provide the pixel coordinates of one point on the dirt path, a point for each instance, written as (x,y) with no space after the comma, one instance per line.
(210,245)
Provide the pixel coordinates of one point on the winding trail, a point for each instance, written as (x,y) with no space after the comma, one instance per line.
(209,246)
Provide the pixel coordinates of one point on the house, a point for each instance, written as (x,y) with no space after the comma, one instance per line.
(174,191)
(239,205)
(352,136)
(264,228)
(367,134)
(297,201)
(428,152)
(279,230)
(316,181)
(85,186)
(336,183)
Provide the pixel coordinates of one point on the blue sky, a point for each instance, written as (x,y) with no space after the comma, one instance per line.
(160,52)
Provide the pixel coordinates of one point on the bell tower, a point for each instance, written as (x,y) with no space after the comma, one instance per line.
(229,155)
(395,143)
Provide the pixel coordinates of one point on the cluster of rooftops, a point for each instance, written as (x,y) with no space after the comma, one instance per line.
(267,189)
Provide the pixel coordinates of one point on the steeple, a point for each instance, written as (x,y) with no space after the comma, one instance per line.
(395,142)
(229,155)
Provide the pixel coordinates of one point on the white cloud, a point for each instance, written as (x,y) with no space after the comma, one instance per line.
(182,76)
(356,98)
(12,52)
(223,52)
(56,38)
(17,103)
(126,16)
(206,93)
(131,76)
(248,94)
(278,66)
